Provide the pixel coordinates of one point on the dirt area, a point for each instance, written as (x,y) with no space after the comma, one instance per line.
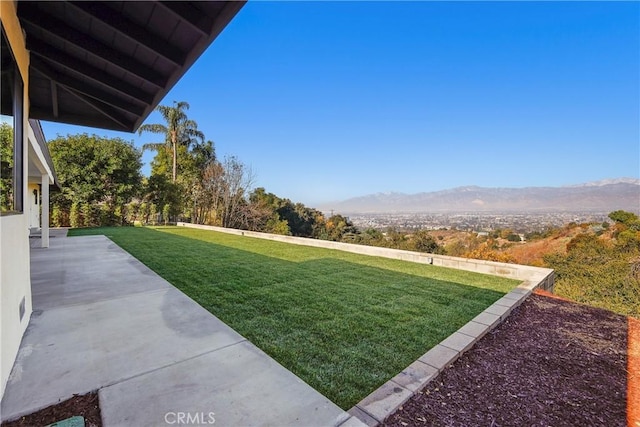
(551,363)
(86,406)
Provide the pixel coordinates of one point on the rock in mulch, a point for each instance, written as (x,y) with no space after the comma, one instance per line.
(86,406)
(551,363)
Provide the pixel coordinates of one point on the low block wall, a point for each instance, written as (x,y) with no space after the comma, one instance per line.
(539,277)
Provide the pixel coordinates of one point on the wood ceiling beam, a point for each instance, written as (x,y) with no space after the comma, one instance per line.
(101,107)
(30,14)
(196,19)
(92,103)
(45,114)
(54,98)
(79,88)
(54,55)
(129,29)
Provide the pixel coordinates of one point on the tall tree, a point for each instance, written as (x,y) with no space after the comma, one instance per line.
(179,130)
(95,172)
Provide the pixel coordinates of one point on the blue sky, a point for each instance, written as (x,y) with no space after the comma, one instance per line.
(330,100)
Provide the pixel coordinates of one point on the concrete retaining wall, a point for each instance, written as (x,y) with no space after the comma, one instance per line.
(540,277)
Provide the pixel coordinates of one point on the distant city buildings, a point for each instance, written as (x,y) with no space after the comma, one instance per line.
(476,222)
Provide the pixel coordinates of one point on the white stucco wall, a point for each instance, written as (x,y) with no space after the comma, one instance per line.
(15,285)
(15,277)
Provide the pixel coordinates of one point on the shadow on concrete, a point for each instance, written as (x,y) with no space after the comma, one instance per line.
(316,312)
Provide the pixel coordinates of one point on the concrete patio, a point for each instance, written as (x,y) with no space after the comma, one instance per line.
(104,321)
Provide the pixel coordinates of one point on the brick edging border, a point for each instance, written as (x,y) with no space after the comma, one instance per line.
(375,408)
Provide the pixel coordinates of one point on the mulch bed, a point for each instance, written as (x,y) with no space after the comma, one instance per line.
(551,363)
(86,406)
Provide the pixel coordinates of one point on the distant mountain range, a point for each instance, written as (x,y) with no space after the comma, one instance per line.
(600,196)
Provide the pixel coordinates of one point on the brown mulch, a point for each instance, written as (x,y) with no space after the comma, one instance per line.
(551,363)
(86,406)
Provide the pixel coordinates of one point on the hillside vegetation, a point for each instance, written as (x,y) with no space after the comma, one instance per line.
(601,267)
(102,184)
(596,264)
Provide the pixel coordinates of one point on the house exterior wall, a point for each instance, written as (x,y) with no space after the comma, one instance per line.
(15,279)
(41,176)
(15,289)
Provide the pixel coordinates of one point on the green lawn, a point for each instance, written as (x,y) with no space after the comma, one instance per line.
(344,323)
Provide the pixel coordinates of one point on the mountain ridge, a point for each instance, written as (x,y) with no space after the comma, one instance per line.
(601,196)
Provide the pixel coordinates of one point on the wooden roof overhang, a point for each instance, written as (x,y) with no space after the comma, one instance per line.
(108,64)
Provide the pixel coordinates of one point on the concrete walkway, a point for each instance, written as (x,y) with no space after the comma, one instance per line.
(103,321)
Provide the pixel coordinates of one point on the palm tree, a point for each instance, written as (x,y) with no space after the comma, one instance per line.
(179,130)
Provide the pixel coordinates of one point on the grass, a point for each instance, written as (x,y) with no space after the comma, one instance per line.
(344,323)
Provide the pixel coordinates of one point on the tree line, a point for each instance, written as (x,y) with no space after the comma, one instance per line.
(102,185)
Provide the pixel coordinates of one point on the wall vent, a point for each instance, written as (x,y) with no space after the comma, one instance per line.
(21,308)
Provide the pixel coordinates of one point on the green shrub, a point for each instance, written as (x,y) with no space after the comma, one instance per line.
(131,212)
(166,210)
(105,216)
(89,215)
(143,213)
(119,215)
(153,213)
(598,274)
(75,218)
(57,217)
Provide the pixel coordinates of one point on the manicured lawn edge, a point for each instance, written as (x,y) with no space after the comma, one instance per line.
(501,269)
(277,343)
